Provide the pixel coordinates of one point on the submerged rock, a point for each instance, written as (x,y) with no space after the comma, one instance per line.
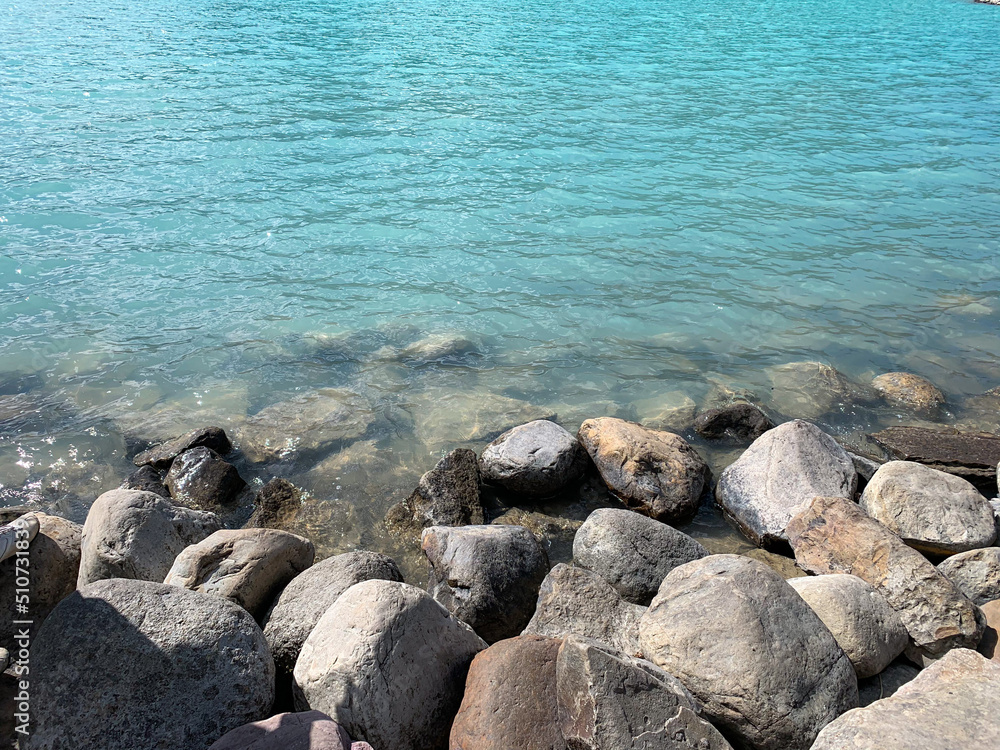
(808,390)
(445,420)
(671,412)
(200,478)
(976,573)
(784,469)
(447,495)
(308,730)
(275,505)
(740,421)
(537,459)
(656,473)
(761,662)
(434,348)
(553,533)
(909,391)
(161,456)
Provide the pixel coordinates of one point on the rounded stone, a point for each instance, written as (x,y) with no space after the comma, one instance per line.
(537,459)
(909,391)
(976,573)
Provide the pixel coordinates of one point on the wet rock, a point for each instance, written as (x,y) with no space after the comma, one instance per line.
(886,682)
(246,566)
(553,533)
(54,562)
(972,456)
(537,459)
(200,478)
(989,646)
(447,495)
(146,479)
(574,601)
(388,664)
(932,511)
(833,535)
(134,534)
(808,390)
(487,576)
(951,704)
(308,596)
(656,473)
(434,348)
(446,420)
(671,412)
(308,730)
(305,424)
(740,421)
(976,573)
(161,456)
(860,619)
(123,661)
(275,505)
(784,469)
(632,552)
(748,647)
(909,391)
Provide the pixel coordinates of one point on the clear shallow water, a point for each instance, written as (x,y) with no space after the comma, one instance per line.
(209,206)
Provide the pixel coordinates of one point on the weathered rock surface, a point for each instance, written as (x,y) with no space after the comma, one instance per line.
(447,495)
(200,478)
(784,469)
(989,646)
(930,510)
(833,535)
(134,534)
(909,391)
(304,424)
(275,505)
(147,479)
(246,566)
(886,682)
(574,601)
(161,456)
(656,473)
(433,348)
(537,459)
(54,562)
(972,456)
(738,421)
(632,552)
(124,664)
(487,576)
(555,534)
(308,730)
(860,619)
(808,390)
(951,704)
(751,650)
(533,692)
(388,664)
(976,573)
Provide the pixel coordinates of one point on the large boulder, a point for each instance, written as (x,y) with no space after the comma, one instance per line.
(135,534)
(147,479)
(447,495)
(246,566)
(970,455)
(308,730)
(833,535)
(574,601)
(976,573)
(387,663)
(932,511)
(632,552)
(161,456)
(54,562)
(656,473)
(200,478)
(751,650)
(909,391)
(125,664)
(784,469)
(487,576)
(864,625)
(537,459)
(533,692)
(951,704)
(738,421)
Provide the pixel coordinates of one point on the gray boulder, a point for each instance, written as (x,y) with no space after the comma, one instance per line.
(656,473)
(537,459)
(308,730)
(865,626)
(738,421)
(200,478)
(161,456)
(932,511)
(147,479)
(886,682)
(574,601)
(135,534)
(125,664)
(447,495)
(976,573)
(762,663)
(951,704)
(388,664)
(487,576)
(632,552)
(784,469)
(246,566)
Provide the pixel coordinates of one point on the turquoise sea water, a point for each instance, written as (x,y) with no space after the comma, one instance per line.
(210,206)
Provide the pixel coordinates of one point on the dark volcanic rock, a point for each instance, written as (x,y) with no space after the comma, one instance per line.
(447,495)
(275,505)
(740,421)
(970,455)
(202,479)
(161,456)
(146,479)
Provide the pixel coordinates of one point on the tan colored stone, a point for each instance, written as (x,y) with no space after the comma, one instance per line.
(909,391)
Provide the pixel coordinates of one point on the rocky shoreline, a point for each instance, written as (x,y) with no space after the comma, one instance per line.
(185,613)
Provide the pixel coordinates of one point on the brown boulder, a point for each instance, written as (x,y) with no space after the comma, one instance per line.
(970,455)
(909,391)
